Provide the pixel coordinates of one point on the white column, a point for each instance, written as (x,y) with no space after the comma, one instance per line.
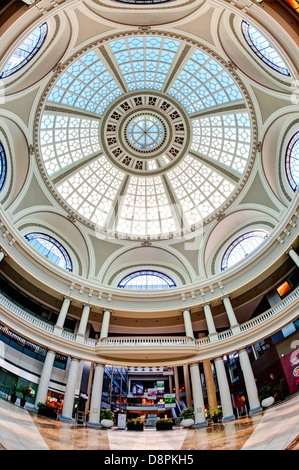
(68,402)
(1,255)
(105,324)
(188,323)
(45,378)
(292,253)
(210,322)
(224,391)
(62,315)
(83,324)
(234,325)
(198,401)
(250,384)
(96,397)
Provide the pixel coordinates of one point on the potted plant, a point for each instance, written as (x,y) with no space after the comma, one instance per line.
(266,396)
(26,392)
(107,418)
(13,395)
(278,393)
(188,418)
(214,414)
(164,424)
(47,410)
(134,424)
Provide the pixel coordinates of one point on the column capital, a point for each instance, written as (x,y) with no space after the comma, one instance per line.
(206,304)
(193,364)
(218,358)
(225,296)
(186,310)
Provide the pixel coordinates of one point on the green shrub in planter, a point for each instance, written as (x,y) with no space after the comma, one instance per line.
(164,424)
(107,414)
(47,410)
(134,425)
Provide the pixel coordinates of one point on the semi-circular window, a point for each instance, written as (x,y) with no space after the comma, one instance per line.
(145,280)
(292,161)
(3,166)
(26,51)
(242,247)
(143,2)
(50,248)
(263,49)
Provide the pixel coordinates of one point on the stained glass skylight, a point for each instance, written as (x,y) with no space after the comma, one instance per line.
(263,49)
(26,51)
(50,248)
(142,140)
(292,161)
(242,247)
(146,280)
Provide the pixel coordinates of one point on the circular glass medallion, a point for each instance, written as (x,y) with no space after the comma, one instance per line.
(145,132)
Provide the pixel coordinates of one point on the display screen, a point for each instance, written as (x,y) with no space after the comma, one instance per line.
(283,288)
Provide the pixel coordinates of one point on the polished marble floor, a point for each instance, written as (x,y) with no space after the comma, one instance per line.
(277,428)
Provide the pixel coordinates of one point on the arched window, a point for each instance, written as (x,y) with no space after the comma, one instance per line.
(263,49)
(145,280)
(292,161)
(242,247)
(26,51)
(3,166)
(143,2)
(50,248)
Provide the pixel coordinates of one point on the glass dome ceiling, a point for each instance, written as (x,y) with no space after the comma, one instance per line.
(144,136)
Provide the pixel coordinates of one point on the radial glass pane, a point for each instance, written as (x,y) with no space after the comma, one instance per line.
(65,140)
(199,189)
(144,61)
(263,49)
(91,190)
(50,248)
(204,83)
(86,84)
(26,51)
(242,247)
(226,138)
(292,161)
(145,209)
(146,280)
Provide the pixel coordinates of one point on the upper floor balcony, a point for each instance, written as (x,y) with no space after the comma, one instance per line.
(150,350)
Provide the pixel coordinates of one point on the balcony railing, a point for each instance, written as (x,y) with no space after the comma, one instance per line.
(147,341)
(152,341)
